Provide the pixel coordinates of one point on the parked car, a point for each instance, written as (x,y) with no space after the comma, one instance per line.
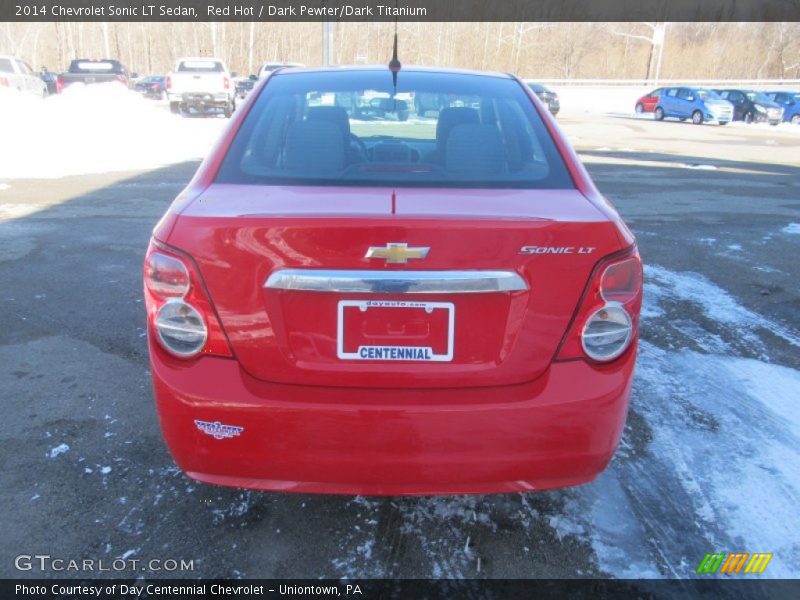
(200,84)
(432,306)
(546,95)
(269,67)
(752,107)
(15,74)
(790,102)
(91,70)
(51,80)
(648,102)
(698,104)
(152,86)
(244,86)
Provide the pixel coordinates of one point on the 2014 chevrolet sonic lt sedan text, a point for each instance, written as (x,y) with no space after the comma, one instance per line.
(367,291)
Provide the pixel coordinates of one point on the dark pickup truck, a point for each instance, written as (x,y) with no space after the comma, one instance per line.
(88,71)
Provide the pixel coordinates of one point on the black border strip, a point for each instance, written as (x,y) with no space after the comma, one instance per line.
(366,589)
(410,10)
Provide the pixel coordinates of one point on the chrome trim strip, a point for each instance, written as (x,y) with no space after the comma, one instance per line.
(396,282)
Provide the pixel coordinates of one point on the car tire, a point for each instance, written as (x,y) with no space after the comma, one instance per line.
(659,113)
(748,117)
(697,117)
(682,119)
(639,108)
(795,120)
(723,122)
(229,110)
(175,108)
(402,115)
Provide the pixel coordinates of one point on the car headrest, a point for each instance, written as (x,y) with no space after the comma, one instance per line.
(314,146)
(450,118)
(474,149)
(332,114)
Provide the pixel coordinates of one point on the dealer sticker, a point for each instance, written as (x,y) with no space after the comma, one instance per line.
(217,430)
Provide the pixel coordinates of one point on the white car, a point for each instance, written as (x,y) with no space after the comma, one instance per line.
(269,67)
(201,84)
(17,75)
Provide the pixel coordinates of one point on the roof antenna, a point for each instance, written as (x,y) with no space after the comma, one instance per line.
(394,64)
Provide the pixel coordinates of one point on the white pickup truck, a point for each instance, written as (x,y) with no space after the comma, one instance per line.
(17,75)
(202,84)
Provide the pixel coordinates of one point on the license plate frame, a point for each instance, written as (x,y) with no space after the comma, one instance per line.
(410,353)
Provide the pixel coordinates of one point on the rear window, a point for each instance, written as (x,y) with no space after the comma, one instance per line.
(200,66)
(353,128)
(95,66)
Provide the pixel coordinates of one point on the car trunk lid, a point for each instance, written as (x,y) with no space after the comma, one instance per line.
(487,303)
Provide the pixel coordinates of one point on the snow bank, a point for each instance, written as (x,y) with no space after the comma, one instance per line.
(591,99)
(95,129)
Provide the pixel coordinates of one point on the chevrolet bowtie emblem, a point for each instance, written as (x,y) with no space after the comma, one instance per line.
(397,253)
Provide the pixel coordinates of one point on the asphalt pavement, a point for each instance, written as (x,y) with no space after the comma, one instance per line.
(85,473)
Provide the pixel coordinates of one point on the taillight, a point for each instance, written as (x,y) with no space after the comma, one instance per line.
(59,84)
(179,312)
(4,81)
(226,83)
(607,319)
(122,79)
(169,82)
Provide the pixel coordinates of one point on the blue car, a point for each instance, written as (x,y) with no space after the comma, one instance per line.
(790,101)
(698,104)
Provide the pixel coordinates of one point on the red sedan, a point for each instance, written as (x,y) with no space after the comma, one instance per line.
(344,302)
(648,102)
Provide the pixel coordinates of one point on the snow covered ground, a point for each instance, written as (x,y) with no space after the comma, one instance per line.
(95,129)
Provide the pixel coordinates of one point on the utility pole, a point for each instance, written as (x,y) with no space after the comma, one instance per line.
(327,43)
(327,38)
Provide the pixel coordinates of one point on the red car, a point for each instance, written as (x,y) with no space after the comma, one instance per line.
(436,305)
(648,102)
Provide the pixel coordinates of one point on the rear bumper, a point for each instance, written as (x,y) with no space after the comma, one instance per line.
(201,100)
(560,430)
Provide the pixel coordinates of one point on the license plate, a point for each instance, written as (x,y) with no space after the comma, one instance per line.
(395,330)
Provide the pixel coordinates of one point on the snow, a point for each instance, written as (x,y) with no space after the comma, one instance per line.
(740,469)
(58,450)
(96,129)
(594,99)
(792,228)
(714,302)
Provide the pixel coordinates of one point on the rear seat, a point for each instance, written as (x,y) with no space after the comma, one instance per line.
(449,118)
(314,145)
